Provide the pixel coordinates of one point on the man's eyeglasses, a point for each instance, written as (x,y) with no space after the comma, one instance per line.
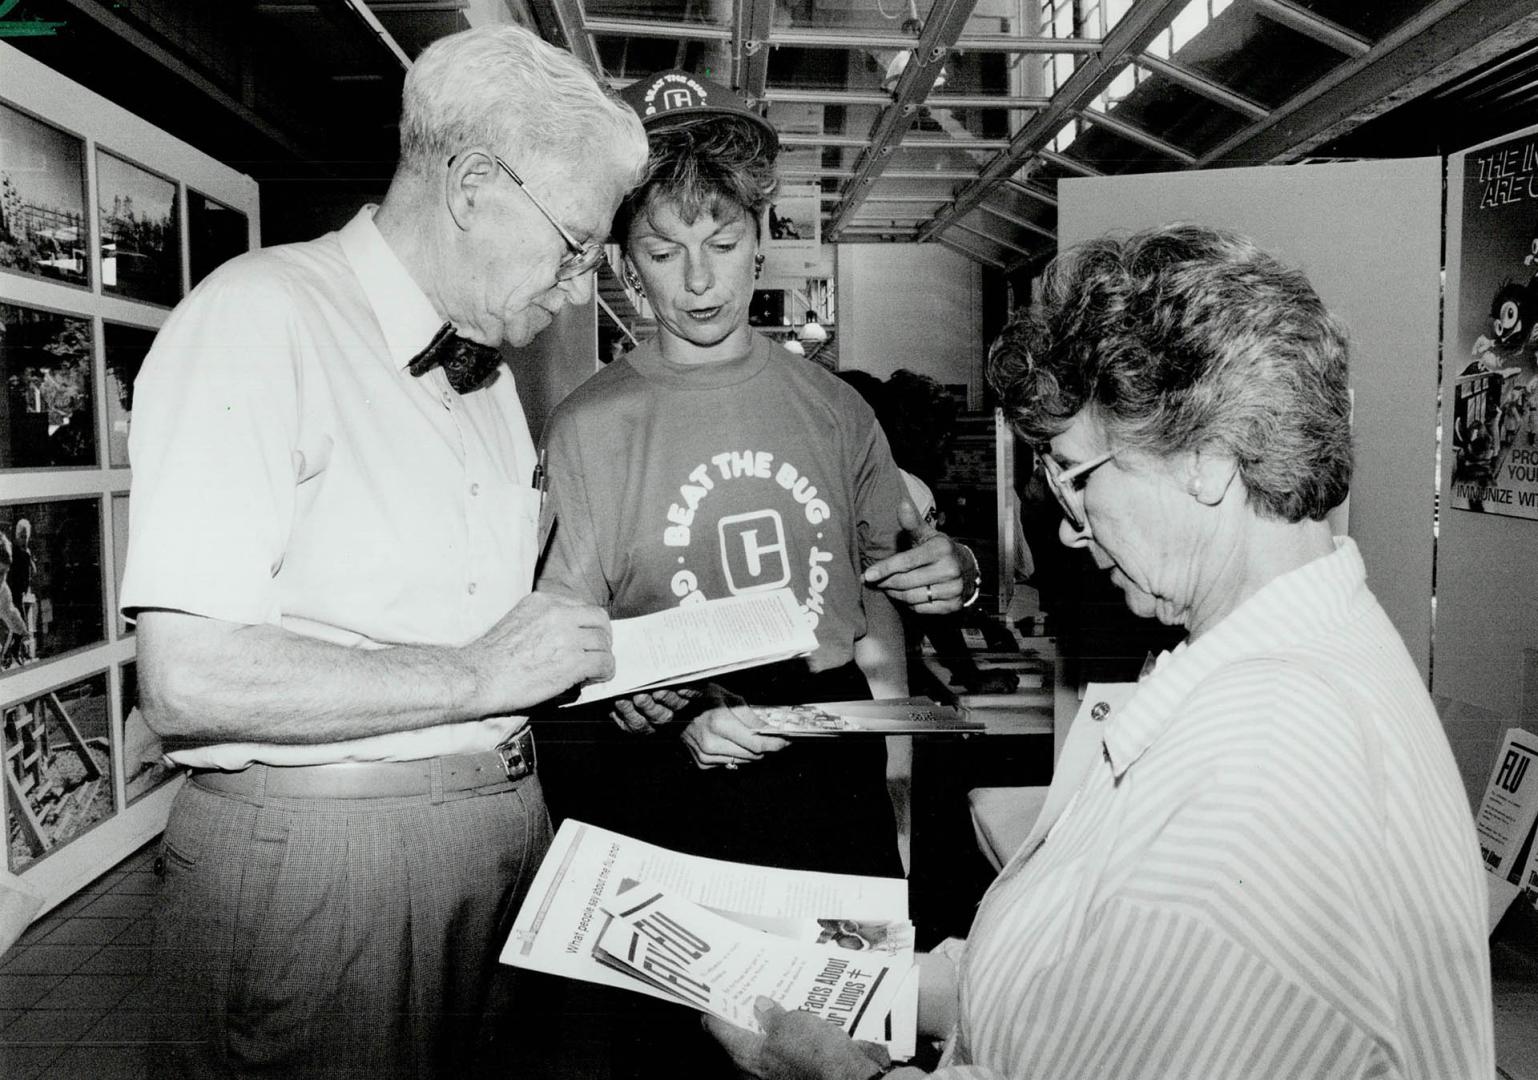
(1068,484)
(580,258)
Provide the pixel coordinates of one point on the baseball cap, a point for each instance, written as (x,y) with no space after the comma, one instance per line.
(668,97)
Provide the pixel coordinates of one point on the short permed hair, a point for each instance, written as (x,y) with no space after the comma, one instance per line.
(704,165)
(1184,338)
(504,88)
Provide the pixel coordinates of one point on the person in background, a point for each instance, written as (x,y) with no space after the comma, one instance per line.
(918,418)
(709,462)
(330,561)
(12,621)
(1262,864)
(20,583)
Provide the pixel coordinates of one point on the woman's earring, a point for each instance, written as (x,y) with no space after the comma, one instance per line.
(633,279)
(758,266)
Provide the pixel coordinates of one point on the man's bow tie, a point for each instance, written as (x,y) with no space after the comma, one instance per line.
(465,362)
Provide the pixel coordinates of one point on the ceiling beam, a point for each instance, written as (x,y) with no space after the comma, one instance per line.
(925,200)
(845,98)
(1133,133)
(929,141)
(881,99)
(1296,17)
(1131,35)
(929,174)
(825,138)
(360,11)
(750,46)
(1068,164)
(992,239)
(561,23)
(792,172)
(975,256)
(1432,48)
(829,38)
(653,28)
(947,18)
(985,101)
(1031,191)
(1018,221)
(1198,83)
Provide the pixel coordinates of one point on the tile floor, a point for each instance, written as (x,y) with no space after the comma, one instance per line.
(68,987)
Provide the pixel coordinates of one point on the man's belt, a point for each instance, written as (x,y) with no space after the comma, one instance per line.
(511,761)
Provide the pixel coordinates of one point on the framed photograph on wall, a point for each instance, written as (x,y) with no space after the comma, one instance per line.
(215,234)
(144,767)
(125,348)
(119,558)
(58,769)
(47,416)
(51,553)
(140,238)
(42,200)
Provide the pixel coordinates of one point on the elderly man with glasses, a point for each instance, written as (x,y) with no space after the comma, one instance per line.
(332,547)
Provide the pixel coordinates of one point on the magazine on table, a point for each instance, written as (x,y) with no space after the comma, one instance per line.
(573,924)
(695,641)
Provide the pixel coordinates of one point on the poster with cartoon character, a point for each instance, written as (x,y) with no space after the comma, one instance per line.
(1492,359)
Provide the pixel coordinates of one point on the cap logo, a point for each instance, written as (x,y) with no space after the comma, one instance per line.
(678,92)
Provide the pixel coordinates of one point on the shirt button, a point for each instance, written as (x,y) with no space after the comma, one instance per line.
(475,489)
(470,588)
(448,402)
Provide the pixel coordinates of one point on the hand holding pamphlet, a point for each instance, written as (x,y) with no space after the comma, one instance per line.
(720,967)
(696,641)
(608,909)
(890,716)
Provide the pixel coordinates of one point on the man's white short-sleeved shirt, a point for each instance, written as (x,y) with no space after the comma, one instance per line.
(290,471)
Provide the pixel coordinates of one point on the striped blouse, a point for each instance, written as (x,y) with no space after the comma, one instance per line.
(1268,869)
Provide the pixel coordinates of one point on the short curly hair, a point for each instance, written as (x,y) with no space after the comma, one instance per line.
(1183,338)
(704,165)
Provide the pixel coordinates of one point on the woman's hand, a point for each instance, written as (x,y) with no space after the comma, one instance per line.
(796,1045)
(645,713)
(933,576)
(727,735)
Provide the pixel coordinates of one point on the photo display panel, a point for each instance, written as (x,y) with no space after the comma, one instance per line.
(140,237)
(47,415)
(42,200)
(50,557)
(58,774)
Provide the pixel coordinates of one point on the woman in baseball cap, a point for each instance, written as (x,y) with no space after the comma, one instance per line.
(709,462)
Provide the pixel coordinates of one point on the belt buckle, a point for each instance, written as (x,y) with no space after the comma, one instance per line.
(517,755)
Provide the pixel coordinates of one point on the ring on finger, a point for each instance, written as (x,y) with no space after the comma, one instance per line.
(731,764)
(929,593)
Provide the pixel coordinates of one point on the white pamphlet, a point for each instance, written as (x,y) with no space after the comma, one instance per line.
(1506,815)
(587,868)
(698,640)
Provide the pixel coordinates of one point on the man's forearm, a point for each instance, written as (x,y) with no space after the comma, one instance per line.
(208,681)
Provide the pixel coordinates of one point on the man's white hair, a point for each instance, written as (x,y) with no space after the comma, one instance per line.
(505,89)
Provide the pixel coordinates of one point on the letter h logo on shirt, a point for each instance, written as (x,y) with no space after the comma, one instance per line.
(753,551)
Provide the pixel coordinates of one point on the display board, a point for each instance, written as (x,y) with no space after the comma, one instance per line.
(105,223)
(1487,597)
(1367,234)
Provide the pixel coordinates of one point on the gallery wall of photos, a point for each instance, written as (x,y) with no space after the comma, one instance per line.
(105,223)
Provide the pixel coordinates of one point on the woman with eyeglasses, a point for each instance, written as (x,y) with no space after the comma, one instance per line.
(1261,863)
